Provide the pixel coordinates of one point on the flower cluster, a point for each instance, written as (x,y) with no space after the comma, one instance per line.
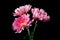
(22,10)
(40,14)
(23,20)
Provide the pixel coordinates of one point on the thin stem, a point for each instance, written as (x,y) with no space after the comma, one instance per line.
(35,26)
(34,29)
(28,32)
(31,36)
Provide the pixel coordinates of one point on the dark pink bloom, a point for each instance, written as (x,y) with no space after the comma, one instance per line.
(40,14)
(22,10)
(22,22)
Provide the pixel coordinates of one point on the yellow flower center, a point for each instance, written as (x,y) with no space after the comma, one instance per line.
(23,22)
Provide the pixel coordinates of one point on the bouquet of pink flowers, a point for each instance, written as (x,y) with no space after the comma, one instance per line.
(24,21)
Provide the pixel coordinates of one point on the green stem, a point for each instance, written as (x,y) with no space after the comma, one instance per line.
(34,29)
(28,32)
(31,36)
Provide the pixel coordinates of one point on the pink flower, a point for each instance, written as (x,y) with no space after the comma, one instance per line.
(43,16)
(40,14)
(27,8)
(22,10)
(35,12)
(22,22)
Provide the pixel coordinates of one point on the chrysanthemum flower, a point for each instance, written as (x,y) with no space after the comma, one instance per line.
(40,14)
(22,10)
(22,22)
(35,12)
(43,16)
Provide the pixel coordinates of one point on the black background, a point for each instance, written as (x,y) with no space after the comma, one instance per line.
(44,31)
